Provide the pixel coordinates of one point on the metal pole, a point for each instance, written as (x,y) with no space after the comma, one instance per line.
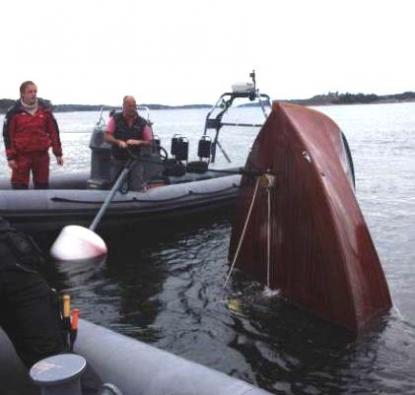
(108,199)
(261,104)
(223,151)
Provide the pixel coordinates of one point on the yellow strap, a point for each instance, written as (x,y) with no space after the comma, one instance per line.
(66,306)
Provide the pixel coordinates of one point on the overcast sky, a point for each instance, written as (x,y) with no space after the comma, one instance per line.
(190,51)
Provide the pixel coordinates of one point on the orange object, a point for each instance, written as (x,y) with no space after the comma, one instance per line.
(66,300)
(306,235)
(74,319)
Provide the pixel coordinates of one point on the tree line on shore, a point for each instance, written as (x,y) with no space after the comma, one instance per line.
(355,98)
(5,104)
(330,98)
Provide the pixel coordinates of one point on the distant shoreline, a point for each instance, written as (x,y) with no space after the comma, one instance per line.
(336,98)
(332,98)
(5,104)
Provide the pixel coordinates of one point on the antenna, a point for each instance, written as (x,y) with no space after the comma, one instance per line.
(252,75)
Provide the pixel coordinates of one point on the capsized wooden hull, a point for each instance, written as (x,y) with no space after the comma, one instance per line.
(306,235)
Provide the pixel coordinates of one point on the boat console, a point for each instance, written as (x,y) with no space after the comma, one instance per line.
(162,168)
(101,164)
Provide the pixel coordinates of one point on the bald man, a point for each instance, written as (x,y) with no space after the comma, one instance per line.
(127,131)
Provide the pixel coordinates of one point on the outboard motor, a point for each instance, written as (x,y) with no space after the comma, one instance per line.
(100,177)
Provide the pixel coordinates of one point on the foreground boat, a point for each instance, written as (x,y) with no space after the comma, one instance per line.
(134,367)
(175,187)
(299,228)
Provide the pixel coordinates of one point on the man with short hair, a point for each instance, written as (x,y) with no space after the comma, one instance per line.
(29,130)
(127,131)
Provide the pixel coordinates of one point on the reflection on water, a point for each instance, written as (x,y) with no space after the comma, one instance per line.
(165,285)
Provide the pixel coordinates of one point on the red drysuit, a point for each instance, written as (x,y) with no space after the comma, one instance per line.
(27,139)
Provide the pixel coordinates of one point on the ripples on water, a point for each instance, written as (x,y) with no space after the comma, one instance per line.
(165,285)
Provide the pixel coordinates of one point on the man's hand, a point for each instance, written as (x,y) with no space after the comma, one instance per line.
(134,142)
(122,144)
(59,160)
(12,164)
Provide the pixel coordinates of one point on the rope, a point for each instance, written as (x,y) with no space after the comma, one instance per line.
(134,200)
(243,232)
(269,237)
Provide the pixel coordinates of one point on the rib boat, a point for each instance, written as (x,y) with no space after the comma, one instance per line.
(175,187)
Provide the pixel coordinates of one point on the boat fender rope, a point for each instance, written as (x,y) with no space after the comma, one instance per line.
(132,200)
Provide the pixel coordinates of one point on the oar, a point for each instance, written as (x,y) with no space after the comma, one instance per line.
(77,242)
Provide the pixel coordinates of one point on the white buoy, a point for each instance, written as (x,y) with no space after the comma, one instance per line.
(76,242)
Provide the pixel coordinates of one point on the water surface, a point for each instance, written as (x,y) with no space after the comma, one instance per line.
(164,285)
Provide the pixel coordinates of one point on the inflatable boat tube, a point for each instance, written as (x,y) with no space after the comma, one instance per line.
(133,366)
(52,209)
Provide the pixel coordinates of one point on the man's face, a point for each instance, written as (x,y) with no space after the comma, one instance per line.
(130,108)
(29,95)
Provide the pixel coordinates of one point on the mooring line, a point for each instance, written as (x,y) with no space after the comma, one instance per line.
(243,232)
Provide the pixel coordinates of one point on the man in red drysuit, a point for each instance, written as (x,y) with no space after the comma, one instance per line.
(29,130)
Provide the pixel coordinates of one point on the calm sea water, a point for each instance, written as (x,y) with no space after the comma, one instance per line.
(165,286)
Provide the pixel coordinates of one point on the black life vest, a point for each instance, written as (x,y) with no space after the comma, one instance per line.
(125,132)
(18,250)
